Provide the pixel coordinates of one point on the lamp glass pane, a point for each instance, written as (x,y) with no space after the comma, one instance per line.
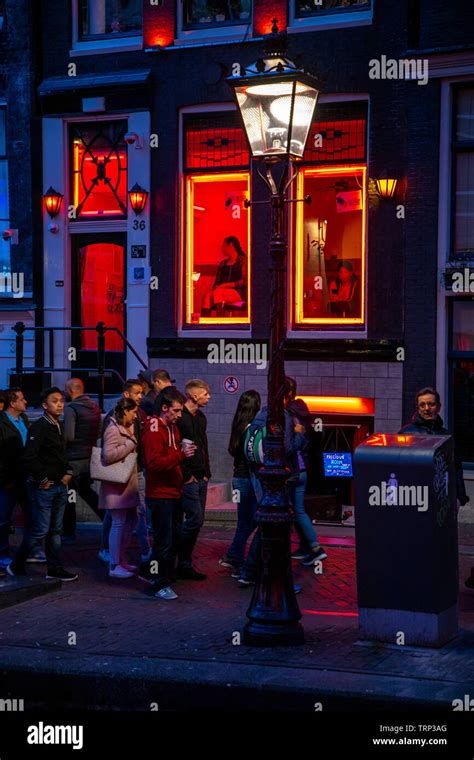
(266,111)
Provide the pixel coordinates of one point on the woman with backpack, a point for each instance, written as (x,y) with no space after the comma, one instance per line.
(311,550)
(120,446)
(242,487)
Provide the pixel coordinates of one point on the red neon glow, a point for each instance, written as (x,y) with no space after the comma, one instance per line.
(339,404)
(337,614)
(214,211)
(330,270)
(102,293)
(265,11)
(158,24)
(87,169)
(379,439)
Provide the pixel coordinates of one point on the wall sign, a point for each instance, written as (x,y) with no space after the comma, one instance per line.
(231,384)
(138,251)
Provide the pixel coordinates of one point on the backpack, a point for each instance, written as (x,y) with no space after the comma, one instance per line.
(254,442)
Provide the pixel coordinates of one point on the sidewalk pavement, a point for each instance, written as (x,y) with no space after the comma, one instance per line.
(109,644)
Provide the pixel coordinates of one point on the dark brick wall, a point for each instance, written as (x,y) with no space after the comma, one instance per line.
(264,13)
(19,75)
(158,23)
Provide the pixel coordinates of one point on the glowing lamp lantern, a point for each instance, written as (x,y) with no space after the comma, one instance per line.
(276,101)
(52,201)
(138,198)
(386,187)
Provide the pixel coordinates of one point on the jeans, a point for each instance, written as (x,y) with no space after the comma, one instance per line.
(142,527)
(47,513)
(82,484)
(166,517)
(8,499)
(246,507)
(123,523)
(297,492)
(141,521)
(193,505)
(106,525)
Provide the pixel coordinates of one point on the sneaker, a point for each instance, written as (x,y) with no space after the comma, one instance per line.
(299,553)
(120,572)
(245,582)
(190,574)
(104,556)
(166,593)
(5,561)
(61,574)
(316,555)
(14,574)
(39,557)
(226,562)
(130,568)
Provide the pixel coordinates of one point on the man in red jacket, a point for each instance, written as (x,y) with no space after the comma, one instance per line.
(163,455)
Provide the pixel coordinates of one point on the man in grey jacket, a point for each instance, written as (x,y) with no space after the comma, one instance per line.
(81,430)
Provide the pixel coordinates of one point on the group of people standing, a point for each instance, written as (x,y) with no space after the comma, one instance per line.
(152,429)
(151,457)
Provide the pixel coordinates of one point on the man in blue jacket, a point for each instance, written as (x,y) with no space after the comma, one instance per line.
(13,432)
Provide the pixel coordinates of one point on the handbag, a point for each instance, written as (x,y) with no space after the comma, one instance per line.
(118,472)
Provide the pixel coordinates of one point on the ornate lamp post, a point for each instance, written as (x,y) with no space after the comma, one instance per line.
(276,101)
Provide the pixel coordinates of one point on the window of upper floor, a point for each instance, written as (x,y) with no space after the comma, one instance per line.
(462,227)
(104,25)
(198,20)
(329,14)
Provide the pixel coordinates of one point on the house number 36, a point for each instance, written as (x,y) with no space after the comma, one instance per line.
(139,225)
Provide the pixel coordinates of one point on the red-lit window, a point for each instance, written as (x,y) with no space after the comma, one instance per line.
(328,287)
(101,270)
(330,246)
(216,243)
(99,169)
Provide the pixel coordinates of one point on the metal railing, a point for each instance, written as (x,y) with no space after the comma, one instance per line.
(20,328)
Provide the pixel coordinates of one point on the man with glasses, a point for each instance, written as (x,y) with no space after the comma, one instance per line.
(426,421)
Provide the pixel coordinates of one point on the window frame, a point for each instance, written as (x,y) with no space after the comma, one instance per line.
(308,331)
(225,32)
(457,147)
(105,44)
(189,330)
(331,19)
(299,321)
(453,357)
(73,222)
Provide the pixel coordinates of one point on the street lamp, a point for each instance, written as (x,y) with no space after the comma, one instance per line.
(276,101)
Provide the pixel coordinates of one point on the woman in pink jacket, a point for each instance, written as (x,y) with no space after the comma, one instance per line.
(121,498)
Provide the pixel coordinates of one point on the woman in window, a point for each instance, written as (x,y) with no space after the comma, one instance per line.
(344,291)
(231,279)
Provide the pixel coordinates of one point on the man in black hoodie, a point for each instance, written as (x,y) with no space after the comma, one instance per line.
(426,421)
(196,472)
(13,432)
(81,430)
(48,475)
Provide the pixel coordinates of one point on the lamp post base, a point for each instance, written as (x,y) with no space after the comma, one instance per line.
(274,613)
(268,635)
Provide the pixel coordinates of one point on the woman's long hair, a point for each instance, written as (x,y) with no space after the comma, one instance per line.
(123,405)
(232,240)
(247,408)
